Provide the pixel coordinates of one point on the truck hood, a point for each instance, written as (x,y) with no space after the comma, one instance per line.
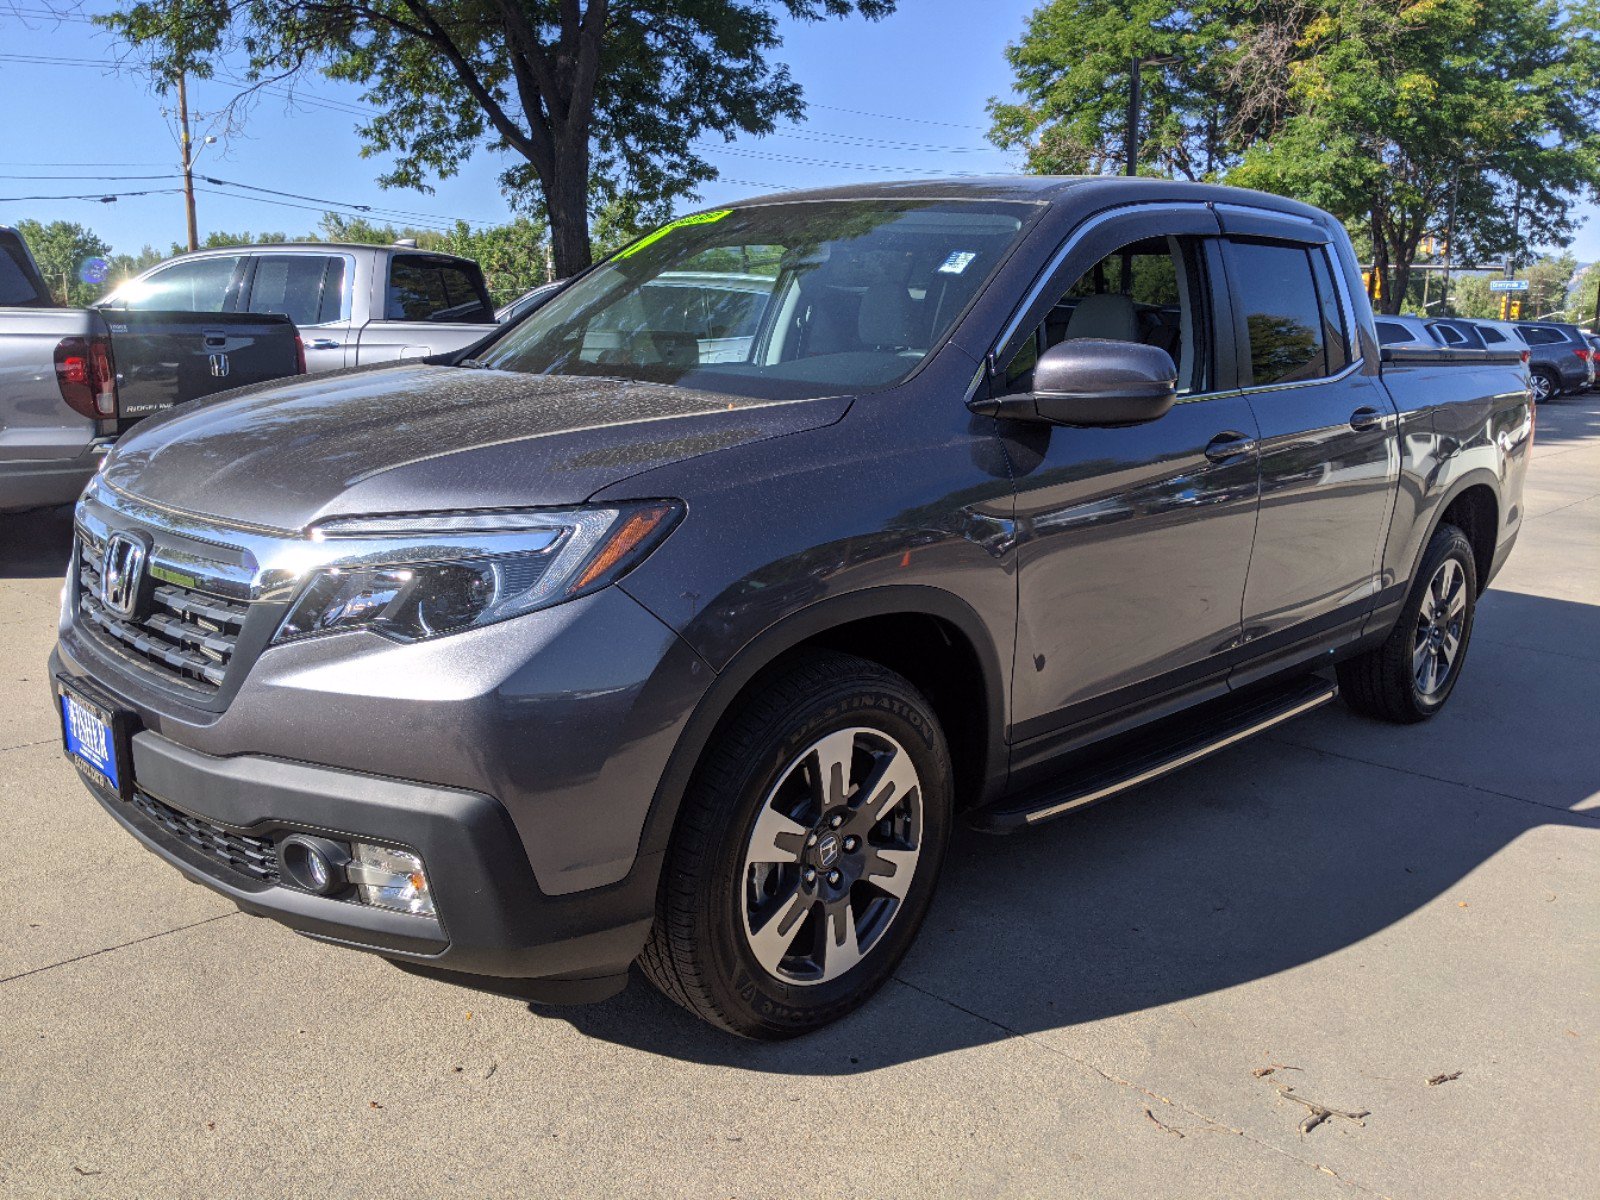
(419,437)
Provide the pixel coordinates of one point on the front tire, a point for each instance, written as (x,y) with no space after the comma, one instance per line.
(806,851)
(1411,675)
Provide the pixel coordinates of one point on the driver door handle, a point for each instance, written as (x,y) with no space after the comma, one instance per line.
(1226,447)
(322,344)
(1365,418)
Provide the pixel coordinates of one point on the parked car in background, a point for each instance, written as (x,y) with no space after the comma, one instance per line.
(527,302)
(1404,330)
(1560,359)
(73,379)
(1594,359)
(354,304)
(687,644)
(1500,335)
(1457,333)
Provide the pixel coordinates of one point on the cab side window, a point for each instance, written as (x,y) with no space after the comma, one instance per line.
(1151,291)
(306,288)
(198,285)
(1275,290)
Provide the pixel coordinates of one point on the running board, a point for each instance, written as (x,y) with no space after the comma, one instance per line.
(1159,751)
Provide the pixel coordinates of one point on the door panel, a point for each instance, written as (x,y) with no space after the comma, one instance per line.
(1328,454)
(1135,542)
(1137,546)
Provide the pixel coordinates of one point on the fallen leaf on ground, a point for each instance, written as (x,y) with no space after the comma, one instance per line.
(1436,1080)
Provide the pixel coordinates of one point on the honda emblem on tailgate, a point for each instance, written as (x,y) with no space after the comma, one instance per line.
(219,365)
(122,571)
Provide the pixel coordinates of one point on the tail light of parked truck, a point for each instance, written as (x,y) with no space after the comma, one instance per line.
(299,354)
(87,375)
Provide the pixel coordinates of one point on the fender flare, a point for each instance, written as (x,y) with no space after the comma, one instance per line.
(1473,478)
(764,649)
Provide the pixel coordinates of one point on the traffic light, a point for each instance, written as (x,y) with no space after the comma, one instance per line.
(1516,310)
(1372,281)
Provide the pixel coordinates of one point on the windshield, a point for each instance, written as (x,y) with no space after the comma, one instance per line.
(776,301)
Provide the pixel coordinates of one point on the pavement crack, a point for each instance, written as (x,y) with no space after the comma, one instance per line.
(119,946)
(26,745)
(1134,1085)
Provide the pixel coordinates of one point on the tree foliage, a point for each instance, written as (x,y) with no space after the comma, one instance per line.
(593,101)
(1403,117)
(62,248)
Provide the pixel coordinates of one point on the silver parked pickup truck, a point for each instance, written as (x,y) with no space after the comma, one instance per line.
(74,379)
(354,304)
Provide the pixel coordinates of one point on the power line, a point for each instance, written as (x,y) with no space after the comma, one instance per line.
(102,197)
(824,162)
(856,112)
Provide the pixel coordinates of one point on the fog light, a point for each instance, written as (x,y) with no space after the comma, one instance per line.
(390,878)
(314,863)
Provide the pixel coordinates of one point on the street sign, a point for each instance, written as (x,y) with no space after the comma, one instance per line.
(1508,285)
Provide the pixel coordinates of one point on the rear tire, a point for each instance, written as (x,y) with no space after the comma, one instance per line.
(1411,675)
(1546,386)
(790,891)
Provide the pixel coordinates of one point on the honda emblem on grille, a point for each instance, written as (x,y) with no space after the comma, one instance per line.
(122,572)
(219,365)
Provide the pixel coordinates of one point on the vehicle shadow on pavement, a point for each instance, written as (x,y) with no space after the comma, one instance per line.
(35,544)
(1265,858)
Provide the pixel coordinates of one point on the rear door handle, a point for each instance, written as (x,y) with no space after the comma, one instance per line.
(1365,418)
(1226,447)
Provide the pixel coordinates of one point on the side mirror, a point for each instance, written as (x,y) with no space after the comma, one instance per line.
(1093,381)
(1097,382)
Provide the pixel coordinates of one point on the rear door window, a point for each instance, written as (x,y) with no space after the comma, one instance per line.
(306,288)
(426,287)
(1276,293)
(197,285)
(1491,336)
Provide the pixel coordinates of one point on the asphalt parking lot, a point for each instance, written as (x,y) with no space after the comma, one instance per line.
(1149,999)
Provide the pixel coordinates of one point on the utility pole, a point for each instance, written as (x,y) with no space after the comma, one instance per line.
(1449,242)
(1135,65)
(187,146)
(1131,138)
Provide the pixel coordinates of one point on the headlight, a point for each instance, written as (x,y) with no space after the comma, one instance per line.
(417,577)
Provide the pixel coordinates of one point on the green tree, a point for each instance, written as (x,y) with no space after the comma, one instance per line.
(600,98)
(63,249)
(1402,117)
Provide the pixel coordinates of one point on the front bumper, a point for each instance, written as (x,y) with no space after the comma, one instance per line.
(520,761)
(492,918)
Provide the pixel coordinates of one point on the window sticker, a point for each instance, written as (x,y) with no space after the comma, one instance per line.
(958,262)
(650,239)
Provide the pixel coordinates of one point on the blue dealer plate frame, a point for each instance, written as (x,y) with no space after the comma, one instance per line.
(95,736)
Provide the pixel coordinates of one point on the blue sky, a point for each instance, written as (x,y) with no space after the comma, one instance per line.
(897,98)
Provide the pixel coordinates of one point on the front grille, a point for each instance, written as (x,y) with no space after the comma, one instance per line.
(187,638)
(250,856)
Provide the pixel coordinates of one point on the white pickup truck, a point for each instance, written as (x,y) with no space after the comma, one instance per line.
(353,304)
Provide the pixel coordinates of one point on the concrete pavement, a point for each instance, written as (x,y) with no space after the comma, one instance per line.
(1142,1000)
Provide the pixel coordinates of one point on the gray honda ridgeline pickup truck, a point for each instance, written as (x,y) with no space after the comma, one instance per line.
(680,627)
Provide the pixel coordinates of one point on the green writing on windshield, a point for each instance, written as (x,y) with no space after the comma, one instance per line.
(650,239)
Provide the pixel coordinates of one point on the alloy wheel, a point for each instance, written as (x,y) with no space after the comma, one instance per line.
(1542,388)
(831,856)
(1439,624)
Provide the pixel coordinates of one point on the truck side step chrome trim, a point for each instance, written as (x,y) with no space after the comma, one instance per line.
(1159,751)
